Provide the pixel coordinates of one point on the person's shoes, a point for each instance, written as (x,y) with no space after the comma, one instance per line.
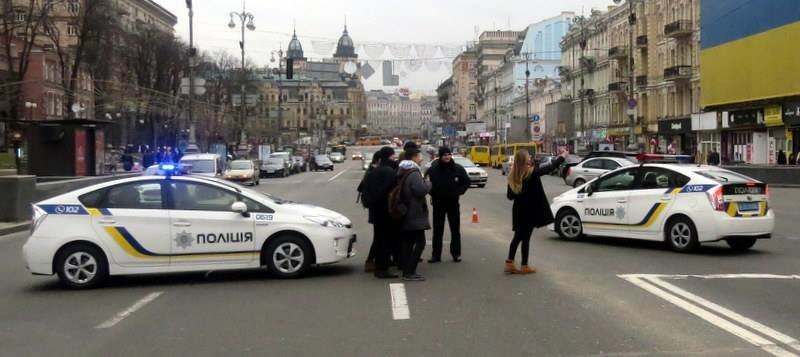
(413,277)
(434,260)
(369,266)
(385,275)
(527,269)
(456,259)
(510,268)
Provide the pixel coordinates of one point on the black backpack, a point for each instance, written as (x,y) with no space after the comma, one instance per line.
(363,191)
(397,207)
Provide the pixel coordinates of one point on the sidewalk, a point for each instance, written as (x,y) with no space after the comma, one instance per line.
(9,227)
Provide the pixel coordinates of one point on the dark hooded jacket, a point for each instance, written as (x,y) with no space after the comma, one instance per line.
(448,180)
(377,185)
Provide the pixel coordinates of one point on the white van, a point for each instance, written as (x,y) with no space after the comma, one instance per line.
(203,164)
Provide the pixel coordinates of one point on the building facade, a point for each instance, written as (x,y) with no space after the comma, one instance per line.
(395,115)
(465,85)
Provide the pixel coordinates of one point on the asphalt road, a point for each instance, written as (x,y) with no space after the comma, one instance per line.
(598,297)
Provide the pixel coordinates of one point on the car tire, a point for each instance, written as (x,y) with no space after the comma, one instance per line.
(287,256)
(568,225)
(482,185)
(578,182)
(81,266)
(681,235)
(741,244)
(258,182)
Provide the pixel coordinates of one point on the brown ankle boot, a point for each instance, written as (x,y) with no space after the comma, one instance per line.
(510,268)
(527,269)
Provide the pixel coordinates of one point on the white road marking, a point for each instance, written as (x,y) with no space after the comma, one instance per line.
(758,327)
(127,312)
(337,175)
(713,319)
(712,276)
(400,309)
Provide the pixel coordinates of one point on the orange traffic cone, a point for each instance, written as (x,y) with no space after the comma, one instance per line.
(475,216)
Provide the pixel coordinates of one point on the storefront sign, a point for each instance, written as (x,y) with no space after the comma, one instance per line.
(743,118)
(475,127)
(771,151)
(675,126)
(772,115)
(791,114)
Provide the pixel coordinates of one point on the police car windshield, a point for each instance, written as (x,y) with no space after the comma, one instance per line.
(241,165)
(724,176)
(274,199)
(200,166)
(463,162)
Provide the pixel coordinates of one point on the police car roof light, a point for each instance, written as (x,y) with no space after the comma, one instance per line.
(660,158)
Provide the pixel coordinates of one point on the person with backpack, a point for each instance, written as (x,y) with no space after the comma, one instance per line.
(408,207)
(378,182)
(449,181)
(531,208)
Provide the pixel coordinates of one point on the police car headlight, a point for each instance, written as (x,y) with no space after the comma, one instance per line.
(325,221)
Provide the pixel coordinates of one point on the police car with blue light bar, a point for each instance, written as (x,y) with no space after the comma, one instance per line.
(176,223)
(683,205)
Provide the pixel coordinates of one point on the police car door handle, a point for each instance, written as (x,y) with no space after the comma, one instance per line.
(182,224)
(107,221)
(666,198)
(622,200)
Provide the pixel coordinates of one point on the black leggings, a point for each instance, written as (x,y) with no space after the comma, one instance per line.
(521,236)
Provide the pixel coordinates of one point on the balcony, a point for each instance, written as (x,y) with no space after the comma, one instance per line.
(618,52)
(616,87)
(641,81)
(563,71)
(678,28)
(641,41)
(588,63)
(676,73)
(588,92)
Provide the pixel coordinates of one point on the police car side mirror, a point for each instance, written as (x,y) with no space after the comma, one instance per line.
(590,189)
(241,208)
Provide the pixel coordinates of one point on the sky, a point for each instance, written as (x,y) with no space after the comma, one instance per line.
(448,23)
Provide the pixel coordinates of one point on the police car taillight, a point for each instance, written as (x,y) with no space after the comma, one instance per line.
(715,197)
(38,217)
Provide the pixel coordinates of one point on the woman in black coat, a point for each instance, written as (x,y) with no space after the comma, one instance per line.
(531,207)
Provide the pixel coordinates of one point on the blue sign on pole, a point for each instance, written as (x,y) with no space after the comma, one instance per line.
(535,118)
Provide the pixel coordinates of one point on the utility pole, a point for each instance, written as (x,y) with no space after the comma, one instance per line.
(527,98)
(192,53)
(632,115)
(496,123)
(243,17)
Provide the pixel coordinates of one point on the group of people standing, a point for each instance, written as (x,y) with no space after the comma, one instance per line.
(395,194)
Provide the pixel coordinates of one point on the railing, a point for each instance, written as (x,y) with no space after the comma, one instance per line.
(563,71)
(678,28)
(617,52)
(616,87)
(641,81)
(588,63)
(677,72)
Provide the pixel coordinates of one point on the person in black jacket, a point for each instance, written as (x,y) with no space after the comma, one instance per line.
(449,181)
(531,208)
(415,222)
(375,189)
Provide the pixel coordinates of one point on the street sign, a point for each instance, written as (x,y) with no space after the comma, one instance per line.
(535,118)
(632,103)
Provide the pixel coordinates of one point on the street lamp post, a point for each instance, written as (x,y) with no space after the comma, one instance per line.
(246,20)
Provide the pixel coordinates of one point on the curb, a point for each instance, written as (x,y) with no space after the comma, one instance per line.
(15,228)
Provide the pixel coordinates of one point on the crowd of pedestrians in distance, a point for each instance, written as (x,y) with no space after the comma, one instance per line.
(395,192)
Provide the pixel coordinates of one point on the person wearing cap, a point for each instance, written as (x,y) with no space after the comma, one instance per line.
(415,221)
(449,181)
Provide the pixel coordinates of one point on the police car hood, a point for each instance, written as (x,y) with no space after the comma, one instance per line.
(305,209)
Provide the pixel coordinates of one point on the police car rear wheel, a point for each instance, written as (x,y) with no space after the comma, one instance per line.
(682,235)
(741,244)
(81,267)
(568,225)
(288,257)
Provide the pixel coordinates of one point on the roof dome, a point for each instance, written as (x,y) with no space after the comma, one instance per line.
(345,48)
(295,50)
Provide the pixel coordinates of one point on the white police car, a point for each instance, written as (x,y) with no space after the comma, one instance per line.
(155,224)
(684,205)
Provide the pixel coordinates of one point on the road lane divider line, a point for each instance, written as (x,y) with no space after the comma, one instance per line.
(400,310)
(337,175)
(756,340)
(130,310)
(729,314)
(713,276)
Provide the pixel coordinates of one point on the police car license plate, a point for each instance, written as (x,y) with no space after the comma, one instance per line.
(748,206)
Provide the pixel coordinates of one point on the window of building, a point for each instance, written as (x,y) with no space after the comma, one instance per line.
(20,16)
(72,30)
(73,6)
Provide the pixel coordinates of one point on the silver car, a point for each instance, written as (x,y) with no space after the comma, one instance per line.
(508,163)
(477,175)
(590,169)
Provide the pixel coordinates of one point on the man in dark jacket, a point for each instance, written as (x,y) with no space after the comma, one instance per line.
(449,181)
(415,222)
(377,184)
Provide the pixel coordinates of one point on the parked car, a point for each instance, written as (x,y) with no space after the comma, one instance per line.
(244,171)
(321,162)
(203,164)
(366,159)
(337,157)
(570,161)
(299,164)
(357,156)
(590,169)
(276,167)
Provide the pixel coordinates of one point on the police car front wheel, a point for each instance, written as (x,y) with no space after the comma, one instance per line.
(81,266)
(287,257)
(681,234)
(569,225)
